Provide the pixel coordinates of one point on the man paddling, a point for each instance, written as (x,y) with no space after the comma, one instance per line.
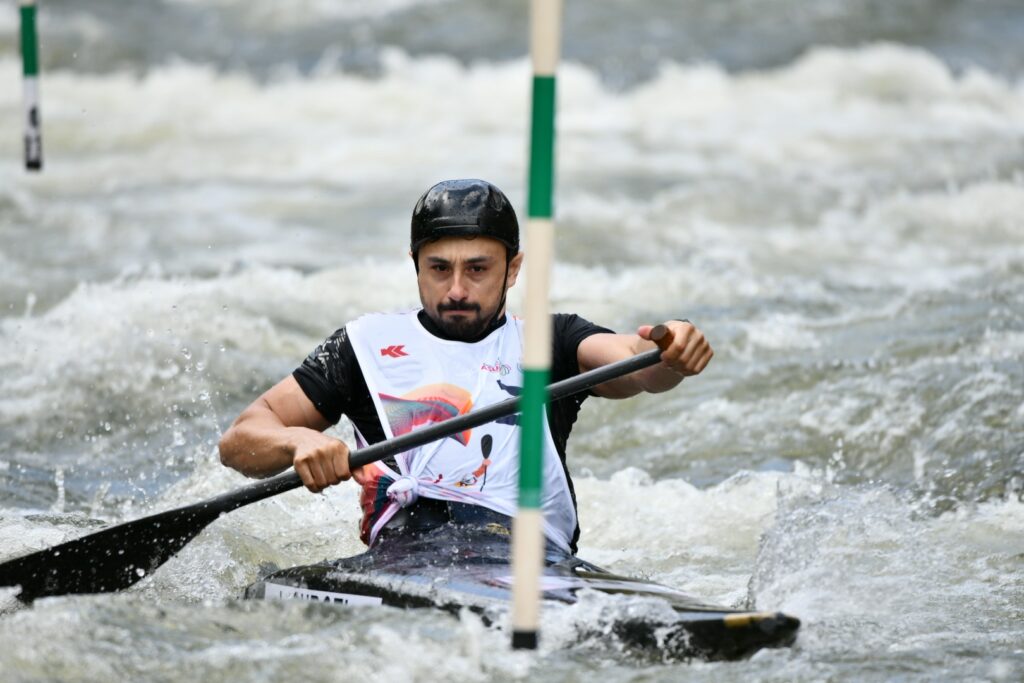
(390,373)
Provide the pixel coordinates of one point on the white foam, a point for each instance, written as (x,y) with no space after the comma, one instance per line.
(137,332)
(812,208)
(835,109)
(701,541)
(846,558)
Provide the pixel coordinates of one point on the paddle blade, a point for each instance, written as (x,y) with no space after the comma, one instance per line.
(108,560)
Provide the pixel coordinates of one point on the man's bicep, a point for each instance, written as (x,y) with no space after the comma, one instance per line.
(289,403)
(598,350)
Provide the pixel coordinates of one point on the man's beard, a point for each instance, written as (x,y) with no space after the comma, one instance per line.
(462,328)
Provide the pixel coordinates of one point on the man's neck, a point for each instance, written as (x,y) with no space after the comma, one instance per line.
(430,326)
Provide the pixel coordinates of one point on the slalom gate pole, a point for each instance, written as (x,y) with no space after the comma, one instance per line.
(528,526)
(30,85)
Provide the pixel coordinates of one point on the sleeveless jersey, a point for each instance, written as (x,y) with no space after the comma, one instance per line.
(416,379)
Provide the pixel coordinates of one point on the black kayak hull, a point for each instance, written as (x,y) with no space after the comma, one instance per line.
(459,567)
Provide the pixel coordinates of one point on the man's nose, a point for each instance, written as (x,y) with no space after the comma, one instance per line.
(457,291)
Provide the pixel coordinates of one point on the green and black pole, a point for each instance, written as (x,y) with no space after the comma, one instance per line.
(30,71)
(528,526)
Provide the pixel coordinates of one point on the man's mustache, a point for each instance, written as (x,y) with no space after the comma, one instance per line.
(459,306)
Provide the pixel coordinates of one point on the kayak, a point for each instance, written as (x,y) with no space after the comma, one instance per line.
(457,566)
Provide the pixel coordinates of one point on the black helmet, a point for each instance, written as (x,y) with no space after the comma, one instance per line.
(464,207)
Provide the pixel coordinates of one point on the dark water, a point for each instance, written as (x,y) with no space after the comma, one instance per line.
(625,42)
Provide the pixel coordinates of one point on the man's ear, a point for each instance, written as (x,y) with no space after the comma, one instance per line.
(513,268)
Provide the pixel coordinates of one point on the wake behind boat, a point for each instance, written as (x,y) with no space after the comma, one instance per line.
(467,565)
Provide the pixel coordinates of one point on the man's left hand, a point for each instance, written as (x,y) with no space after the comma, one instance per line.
(689,353)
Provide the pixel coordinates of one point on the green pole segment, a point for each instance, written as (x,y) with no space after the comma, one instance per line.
(530,469)
(542,148)
(528,527)
(29,43)
(30,83)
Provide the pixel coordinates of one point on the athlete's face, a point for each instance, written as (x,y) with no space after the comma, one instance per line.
(461,282)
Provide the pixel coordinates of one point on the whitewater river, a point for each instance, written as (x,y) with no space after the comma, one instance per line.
(833,191)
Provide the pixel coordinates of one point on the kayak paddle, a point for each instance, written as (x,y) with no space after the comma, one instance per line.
(119,556)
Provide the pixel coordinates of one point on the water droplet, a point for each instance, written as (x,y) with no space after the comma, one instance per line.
(140,571)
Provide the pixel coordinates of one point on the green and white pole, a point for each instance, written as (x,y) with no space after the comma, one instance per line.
(528,527)
(30,71)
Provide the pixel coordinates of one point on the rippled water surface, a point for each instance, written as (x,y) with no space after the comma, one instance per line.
(832,191)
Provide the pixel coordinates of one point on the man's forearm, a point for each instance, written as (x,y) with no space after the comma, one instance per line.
(257,446)
(281,429)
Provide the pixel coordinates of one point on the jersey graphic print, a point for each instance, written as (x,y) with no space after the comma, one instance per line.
(427,405)
(479,475)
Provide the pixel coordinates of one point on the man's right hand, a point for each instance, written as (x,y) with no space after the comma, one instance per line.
(319,460)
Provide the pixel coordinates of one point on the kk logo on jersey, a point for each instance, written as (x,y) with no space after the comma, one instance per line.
(394,351)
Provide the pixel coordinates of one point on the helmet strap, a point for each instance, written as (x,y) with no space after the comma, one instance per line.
(504,292)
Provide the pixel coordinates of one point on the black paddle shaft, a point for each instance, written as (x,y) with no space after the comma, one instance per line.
(117,557)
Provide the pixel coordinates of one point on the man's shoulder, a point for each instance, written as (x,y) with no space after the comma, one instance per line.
(568,332)
(328,353)
(572,324)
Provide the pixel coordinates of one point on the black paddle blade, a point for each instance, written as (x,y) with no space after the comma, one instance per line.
(108,560)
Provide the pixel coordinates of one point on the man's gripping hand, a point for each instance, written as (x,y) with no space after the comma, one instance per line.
(689,353)
(319,460)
